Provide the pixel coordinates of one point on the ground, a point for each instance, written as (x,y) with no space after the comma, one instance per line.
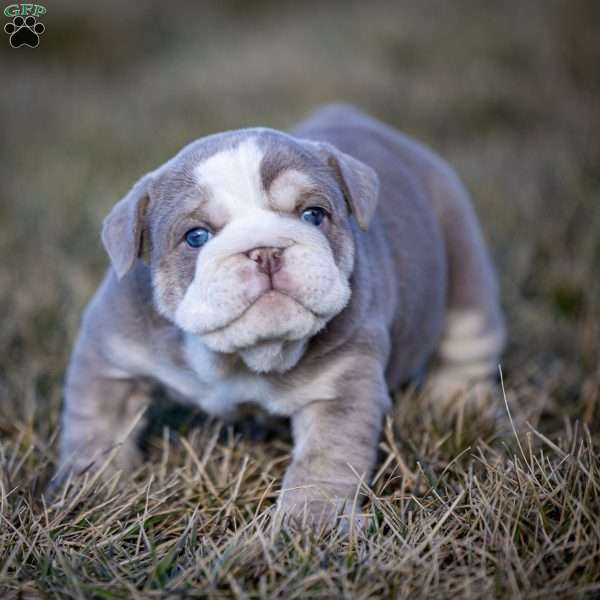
(464,507)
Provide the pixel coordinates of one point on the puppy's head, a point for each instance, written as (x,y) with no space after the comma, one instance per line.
(248,238)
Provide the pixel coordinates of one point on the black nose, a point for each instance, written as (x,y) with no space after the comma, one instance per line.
(268,260)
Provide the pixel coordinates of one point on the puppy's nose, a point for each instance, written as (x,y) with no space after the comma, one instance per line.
(269,260)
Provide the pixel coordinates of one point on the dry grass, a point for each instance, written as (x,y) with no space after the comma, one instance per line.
(449,520)
(463,507)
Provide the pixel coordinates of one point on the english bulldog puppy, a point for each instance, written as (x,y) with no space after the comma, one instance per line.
(307,272)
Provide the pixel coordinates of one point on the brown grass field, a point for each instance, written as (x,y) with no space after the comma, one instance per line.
(462,506)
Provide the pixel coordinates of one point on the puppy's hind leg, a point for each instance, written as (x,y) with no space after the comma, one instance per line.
(474,334)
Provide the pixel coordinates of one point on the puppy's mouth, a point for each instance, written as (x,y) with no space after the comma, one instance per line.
(270,295)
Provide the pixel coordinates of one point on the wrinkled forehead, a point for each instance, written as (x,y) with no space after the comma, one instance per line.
(239,172)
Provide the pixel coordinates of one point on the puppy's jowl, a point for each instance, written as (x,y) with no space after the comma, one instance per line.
(307,272)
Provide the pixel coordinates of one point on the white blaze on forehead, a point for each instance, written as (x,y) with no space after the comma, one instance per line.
(233,177)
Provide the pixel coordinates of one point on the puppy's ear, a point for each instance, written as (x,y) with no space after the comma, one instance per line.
(122,228)
(358,181)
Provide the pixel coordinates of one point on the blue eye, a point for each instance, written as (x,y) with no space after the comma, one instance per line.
(314,215)
(196,238)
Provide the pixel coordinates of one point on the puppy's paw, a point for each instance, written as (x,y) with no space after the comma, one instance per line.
(446,397)
(321,514)
(95,462)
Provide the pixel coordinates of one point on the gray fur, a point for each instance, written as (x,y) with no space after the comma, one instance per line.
(402,229)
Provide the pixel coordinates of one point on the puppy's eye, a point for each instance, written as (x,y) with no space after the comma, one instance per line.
(314,215)
(197,237)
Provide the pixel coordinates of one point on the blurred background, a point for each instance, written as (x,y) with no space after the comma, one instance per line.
(508,92)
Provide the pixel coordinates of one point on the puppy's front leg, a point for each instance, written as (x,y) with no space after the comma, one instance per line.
(335,444)
(101,417)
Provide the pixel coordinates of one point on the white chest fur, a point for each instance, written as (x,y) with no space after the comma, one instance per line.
(215,382)
(208,380)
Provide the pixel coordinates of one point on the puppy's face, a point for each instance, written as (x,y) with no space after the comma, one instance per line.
(248,239)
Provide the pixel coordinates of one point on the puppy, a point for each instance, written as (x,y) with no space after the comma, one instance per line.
(306,272)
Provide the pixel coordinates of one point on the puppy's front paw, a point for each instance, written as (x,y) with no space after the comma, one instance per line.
(106,462)
(308,508)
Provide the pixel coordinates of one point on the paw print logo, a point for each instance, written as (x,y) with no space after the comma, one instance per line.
(24,32)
